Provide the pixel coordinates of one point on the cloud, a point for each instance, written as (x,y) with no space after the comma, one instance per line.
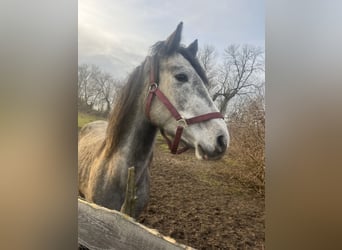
(117,35)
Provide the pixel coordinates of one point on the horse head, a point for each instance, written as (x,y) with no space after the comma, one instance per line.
(183,104)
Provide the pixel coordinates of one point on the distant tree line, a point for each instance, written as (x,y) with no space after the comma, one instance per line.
(239,73)
(97,89)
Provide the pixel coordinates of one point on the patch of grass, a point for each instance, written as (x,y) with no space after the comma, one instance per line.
(207,178)
(159,139)
(244,174)
(161,143)
(84,118)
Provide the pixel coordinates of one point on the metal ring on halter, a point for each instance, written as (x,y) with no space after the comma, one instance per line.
(153,87)
(182,122)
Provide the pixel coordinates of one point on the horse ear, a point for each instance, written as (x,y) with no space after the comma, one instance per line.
(193,48)
(173,41)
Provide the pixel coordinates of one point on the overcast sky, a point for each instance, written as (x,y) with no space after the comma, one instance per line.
(116,35)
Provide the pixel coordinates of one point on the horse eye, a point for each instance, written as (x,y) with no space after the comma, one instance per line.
(181,77)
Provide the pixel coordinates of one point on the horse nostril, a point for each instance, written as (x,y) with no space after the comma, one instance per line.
(221,143)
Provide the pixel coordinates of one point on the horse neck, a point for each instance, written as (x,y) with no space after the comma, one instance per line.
(136,144)
(140,138)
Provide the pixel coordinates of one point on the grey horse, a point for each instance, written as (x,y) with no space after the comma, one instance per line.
(107,149)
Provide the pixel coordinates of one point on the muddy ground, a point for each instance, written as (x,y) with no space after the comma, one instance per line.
(206,205)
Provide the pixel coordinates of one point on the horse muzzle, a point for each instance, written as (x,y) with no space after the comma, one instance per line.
(214,150)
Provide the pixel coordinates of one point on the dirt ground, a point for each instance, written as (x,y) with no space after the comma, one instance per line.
(205,205)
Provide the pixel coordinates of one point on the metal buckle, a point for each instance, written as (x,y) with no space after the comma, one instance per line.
(153,87)
(182,122)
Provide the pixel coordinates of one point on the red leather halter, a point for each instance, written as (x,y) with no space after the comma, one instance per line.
(182,122)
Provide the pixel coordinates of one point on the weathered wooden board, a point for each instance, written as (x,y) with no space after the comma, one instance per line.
(102,228)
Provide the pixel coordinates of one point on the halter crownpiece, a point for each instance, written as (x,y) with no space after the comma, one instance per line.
(182,122)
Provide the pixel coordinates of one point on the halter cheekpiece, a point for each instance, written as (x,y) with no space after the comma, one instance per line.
(181,121)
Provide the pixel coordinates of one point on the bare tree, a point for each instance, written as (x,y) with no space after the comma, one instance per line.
(106,87)
(94,93)
(84,74)
(238,74)
(207,56)
(96,88)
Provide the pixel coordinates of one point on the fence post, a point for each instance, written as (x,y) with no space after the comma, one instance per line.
(128,206)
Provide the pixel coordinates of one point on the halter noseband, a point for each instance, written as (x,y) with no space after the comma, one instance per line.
(182,122)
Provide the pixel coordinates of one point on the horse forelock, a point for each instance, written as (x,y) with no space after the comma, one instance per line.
(159,50)
(194,63)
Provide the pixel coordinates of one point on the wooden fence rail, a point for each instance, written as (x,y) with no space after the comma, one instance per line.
(102,228)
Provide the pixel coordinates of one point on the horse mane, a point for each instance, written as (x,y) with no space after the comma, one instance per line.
(121,114)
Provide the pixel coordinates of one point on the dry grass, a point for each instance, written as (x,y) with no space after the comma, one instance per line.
(247,129)
(84,118)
